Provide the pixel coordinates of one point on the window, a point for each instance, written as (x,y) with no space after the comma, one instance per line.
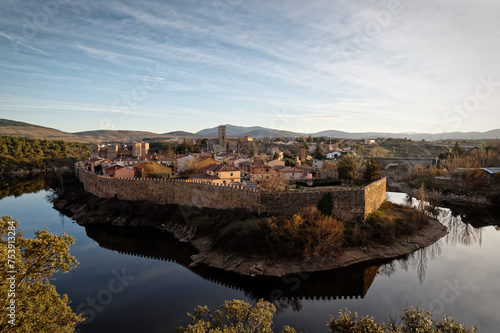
(231,174)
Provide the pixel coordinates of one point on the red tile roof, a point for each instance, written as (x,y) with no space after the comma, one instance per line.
(113,168)
(204,176)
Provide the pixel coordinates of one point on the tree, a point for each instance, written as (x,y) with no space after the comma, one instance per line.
(457,150)
(38,306)
(274,182)
(372,171)
(347,168)
(318,154)
(234,316)
(242,317)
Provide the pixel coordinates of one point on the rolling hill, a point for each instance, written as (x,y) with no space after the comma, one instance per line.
(17,128)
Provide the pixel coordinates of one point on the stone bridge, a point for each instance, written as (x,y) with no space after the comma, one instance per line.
(387,162)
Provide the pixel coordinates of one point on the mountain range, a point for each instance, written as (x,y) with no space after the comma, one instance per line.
(17,128)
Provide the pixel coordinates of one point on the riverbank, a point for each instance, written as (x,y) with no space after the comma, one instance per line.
(448,198)
(250,265)
(22,172)
(189,224)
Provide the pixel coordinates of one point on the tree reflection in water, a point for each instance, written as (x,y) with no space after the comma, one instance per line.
(417,260)
(460,232)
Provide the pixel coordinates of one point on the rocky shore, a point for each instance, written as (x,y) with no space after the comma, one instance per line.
(252,265)
(350,256)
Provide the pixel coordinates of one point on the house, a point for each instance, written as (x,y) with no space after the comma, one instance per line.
(226,173)
(260,171)
(221,156)
(245,167)
(275,163)
(332,155)
(94,162)
(206,178)
(119,171)
(137,168)
(236,162)
(292,174)
(192,164)
(166,161)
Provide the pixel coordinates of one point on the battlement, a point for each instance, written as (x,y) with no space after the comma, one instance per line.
(349,204)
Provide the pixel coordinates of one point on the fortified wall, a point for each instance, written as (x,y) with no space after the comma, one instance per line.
(349,204)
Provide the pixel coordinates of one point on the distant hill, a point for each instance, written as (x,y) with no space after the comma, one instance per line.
(179,134)
(116,135)
(254,131)
(17,128)
(13,123)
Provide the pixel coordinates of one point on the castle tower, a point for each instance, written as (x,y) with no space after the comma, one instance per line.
(137,149)
(112,152)
(222,135)
(144,148)
(94,151)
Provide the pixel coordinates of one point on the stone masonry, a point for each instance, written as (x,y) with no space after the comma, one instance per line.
(349,204)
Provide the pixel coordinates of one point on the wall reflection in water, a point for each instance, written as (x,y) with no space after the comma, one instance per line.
(285,292)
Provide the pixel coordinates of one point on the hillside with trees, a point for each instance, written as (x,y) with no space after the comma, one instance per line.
(26,153)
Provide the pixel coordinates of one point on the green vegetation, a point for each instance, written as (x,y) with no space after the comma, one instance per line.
(372,171)
(347,168)
(162,146)
(240,316)
(306,235)
(18,152)
(155,170)
(16,187)
(38,306)
(234,316)
(386,224)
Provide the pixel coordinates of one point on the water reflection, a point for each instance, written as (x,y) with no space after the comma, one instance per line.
(417,261)
(16,186)
(286,292)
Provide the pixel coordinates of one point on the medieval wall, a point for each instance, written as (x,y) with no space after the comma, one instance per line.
(374,195)
(349,204)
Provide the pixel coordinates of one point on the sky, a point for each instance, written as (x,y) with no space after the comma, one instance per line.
(357,66)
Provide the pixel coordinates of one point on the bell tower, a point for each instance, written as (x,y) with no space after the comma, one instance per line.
(222,135)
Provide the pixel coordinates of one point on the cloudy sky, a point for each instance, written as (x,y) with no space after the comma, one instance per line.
(357,66)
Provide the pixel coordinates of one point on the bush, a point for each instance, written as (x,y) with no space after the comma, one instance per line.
(386,224)
(305,235)
(240,316)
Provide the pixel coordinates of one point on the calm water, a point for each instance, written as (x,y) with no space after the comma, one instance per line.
(139,280)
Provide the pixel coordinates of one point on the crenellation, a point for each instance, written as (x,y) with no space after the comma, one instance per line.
(349,204)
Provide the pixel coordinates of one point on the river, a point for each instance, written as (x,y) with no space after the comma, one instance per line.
(139,279)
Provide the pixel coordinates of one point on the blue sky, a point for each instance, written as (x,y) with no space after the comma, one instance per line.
(357,66)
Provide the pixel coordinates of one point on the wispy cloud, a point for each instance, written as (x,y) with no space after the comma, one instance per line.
(356,64)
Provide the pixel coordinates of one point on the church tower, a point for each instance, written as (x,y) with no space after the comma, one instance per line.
(222,135)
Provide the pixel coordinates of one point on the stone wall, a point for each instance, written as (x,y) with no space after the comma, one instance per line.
(374,195)
(349,204)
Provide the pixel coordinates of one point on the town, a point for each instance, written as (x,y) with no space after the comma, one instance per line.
(287,164)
